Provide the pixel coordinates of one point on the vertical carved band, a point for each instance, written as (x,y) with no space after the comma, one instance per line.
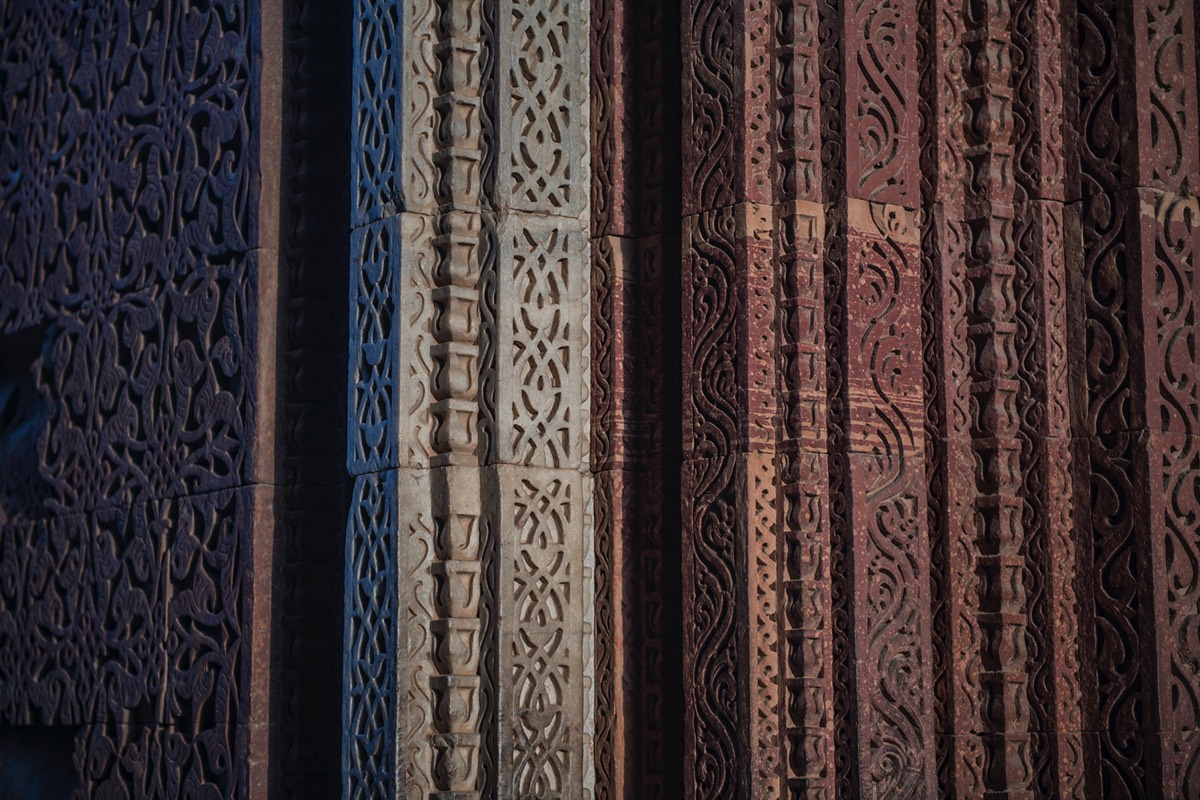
(1045,258)
(952,523)
(540,439)
(1001,500)
(469,402)
(876,431)
(456,625)
(806,594)
(368,716)
(993,374)
(367,767)
(1139,140)
(729,496)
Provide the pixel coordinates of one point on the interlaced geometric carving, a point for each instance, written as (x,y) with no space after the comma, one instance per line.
(540,375)
(374,345)
(542,649)
(544,361)
(370,665)
(373,404)
(375,143)
(544,95)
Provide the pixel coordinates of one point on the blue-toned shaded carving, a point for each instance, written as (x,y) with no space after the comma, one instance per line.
(369,697)
(126,162)
(376,126)
(369,712)
(128,273)
(374,344)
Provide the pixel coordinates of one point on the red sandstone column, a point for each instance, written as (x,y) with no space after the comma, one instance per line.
(1001,486)
(807,651)
(616,760)
(995,391)
(952,522)
(806,590)
(1044,231)
(731,627)
(1139,136)
(635,421)
(882,622)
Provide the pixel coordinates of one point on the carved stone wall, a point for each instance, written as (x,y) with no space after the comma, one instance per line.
(939,488)
(711,399)
(131,258)
(168,473)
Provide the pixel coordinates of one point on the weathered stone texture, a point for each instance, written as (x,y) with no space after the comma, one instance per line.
(733,398)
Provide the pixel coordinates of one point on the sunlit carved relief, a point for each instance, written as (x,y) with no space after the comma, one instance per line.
(470,335)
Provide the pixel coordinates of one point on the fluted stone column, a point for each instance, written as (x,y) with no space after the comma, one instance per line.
(469,590)
(806,588)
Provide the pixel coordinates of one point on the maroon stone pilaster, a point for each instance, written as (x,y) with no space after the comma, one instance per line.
(635,377)
(805,555)
(952,523)
(885,730)
(733,721)
(1139,135)
(1045,235)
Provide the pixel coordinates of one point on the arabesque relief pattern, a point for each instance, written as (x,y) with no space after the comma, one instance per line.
(743,398)
(939,396)
(130,261)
